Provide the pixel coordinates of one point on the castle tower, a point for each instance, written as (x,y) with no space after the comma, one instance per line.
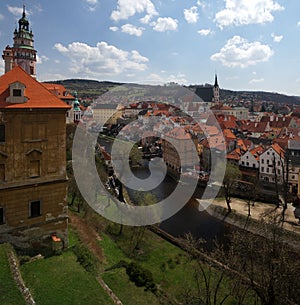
(22,53)
(216,90)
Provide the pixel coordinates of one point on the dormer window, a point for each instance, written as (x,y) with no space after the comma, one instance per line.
(17,90)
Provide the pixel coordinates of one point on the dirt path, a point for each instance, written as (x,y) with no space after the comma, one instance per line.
(88,235)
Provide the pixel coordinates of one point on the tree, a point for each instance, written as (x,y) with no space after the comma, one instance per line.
(266,263)
(142,199)
(73,191)
(282,184)
(232,174)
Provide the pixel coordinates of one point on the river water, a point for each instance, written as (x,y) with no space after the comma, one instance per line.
(189,219)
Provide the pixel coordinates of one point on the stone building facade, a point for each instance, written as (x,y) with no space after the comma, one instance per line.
(33,180)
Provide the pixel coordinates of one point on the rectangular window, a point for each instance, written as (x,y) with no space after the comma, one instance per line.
(2,133)
(17,92)
(35,208)
(1,216)
(2,172)
(34,168)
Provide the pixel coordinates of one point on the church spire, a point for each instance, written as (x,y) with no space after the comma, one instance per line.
(216,81)
(216,90)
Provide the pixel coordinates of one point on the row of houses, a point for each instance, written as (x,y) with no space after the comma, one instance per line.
(265,148)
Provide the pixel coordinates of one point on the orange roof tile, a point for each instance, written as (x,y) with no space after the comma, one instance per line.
(38,96)
(228,134)
(179,134)
(59,90)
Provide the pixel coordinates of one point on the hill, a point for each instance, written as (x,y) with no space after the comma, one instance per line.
(92,89)
(86,88)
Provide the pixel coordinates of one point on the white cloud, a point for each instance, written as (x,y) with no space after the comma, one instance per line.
(17,11)
(205,32)
(101,60)
(128,8)
(256,80)
(60,48)
(114,28)
(238,52)
(165,24)
(298,23)
(132,30)
(276,38)
(191,15)
(199,3)
(92,4)
(41,59)
(146,19)
(1,17)
(158,79)
(242,12)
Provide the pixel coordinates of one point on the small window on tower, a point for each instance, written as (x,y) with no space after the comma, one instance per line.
(17,92)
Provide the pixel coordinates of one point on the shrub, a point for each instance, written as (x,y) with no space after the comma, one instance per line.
(140,276)
(84,257)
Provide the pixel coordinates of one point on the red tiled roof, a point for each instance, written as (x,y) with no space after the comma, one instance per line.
(228,134)
(278,149)
(234,155)
(257,151)
(38,96)
(59,90)
(178,133)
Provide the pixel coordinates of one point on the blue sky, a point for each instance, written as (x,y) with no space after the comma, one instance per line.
(251,44)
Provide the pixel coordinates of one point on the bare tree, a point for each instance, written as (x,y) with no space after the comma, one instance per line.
(264,260)
(232,174)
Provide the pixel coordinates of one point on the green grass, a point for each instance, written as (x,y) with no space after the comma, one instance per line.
(117,279)
(9,292)
(172,270)
(62,280)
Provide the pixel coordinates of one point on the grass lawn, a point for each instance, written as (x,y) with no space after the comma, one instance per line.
(9,292)
(172,270)
(62,280)
(118,280)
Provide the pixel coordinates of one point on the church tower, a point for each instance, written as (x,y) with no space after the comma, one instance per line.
(22,53)
(216,91)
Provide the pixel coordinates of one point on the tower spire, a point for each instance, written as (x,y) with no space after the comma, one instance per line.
(24,11)
(22,53)
(216,80)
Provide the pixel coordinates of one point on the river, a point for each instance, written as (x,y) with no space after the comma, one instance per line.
(189,219)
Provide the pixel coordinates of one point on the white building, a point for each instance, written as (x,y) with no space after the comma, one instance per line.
(271,159)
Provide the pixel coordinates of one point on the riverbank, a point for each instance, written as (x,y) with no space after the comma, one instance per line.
(239,217)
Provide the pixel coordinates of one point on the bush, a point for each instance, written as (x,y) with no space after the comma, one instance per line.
(140,276)
(84,257)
